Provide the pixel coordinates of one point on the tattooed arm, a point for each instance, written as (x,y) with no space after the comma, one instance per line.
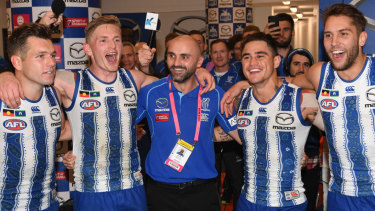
(220,135)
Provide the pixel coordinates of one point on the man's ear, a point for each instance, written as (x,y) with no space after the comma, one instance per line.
(16,62)
(362,38)
(87,49)
(276,61)
(200,61)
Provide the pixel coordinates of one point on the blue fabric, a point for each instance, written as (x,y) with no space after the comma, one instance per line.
(153,103)
(341,202)
(228,79)
(133,199)
(244,205)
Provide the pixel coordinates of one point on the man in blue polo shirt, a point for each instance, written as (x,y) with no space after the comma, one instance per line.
(181,161)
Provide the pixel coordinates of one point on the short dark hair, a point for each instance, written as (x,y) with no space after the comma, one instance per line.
(17,42)
(286,17)
(197,32)
(233,40)
(169,37)
(219,41)
(346,10)
(260,36)
(250,28)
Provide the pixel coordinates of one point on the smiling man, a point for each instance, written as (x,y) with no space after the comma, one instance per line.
(273,124)
(181,161)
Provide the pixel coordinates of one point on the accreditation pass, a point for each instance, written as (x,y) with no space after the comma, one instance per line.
(179,155)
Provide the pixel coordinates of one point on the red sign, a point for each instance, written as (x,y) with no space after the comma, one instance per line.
(19,19)
(58,53)
(75,22)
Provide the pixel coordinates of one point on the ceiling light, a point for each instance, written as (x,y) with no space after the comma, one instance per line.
(293,9)
(286,3)
(295,19)
(299,15)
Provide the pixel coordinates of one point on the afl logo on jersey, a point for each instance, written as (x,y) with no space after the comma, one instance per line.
(15,124)
(329,104)
(90,104)
(243,122)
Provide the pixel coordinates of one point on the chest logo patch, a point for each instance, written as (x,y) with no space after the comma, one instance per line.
(90,104)
(284,119)
(329,104)
(15,124)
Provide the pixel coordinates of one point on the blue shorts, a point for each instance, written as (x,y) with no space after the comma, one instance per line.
(338,201)
(244,205)
(129,199)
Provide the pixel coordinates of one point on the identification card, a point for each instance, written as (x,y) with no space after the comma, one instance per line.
(179,155)
(290,195)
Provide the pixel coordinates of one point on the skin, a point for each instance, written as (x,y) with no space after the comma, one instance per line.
(128,58)
(339,34)
(237,51)
(37,68)
(299,65)
(282,37)
(202,44)
(220,56)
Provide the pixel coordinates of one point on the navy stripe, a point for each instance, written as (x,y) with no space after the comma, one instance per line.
(287,166)
(40,135)
(13,169)
(262,164)
(86,81)
(355,146)
(335,161)
(330,79)
(125,81)
(50,97)
(114,142)
(88,150)
(372,70)
(287,99)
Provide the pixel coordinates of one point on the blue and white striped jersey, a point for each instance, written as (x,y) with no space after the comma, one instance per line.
(273,136)
(102,117)
(348,110)
(27,152)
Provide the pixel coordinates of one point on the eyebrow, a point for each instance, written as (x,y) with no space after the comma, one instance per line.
(256,53)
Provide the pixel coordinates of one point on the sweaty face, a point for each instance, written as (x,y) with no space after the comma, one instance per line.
(299,65)
(104,48)
(220,54)
(183,57)
(39,64)
(286,33)
(258,63)
(341,42)
(128,58)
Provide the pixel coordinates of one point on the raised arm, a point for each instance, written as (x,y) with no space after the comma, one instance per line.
(226,103)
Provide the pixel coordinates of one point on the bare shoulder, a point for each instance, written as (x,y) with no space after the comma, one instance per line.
(142,79)
(313,74)
(64,77)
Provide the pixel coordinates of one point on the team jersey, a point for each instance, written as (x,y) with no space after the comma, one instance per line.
(102,118)
(27,148)
(154,104)
(227,80)
(273,136)
(349,116)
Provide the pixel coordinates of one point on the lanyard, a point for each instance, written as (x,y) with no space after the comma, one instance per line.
(175,117)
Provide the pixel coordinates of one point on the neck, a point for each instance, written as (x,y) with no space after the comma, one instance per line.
(266,91)
(31,90)
(222,69)
(186,86)
(283,51)
(103,75)
(352,72)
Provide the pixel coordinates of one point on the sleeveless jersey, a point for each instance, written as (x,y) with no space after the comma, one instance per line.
(102,117)
(27,152)
(273,136)
(348,110)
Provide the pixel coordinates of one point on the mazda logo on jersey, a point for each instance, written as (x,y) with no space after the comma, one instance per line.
(130,96)
(15,124)
(76,50)
(162,103)
(243,122)
(284,119)
(55,114)
(90,104)
(370,94)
